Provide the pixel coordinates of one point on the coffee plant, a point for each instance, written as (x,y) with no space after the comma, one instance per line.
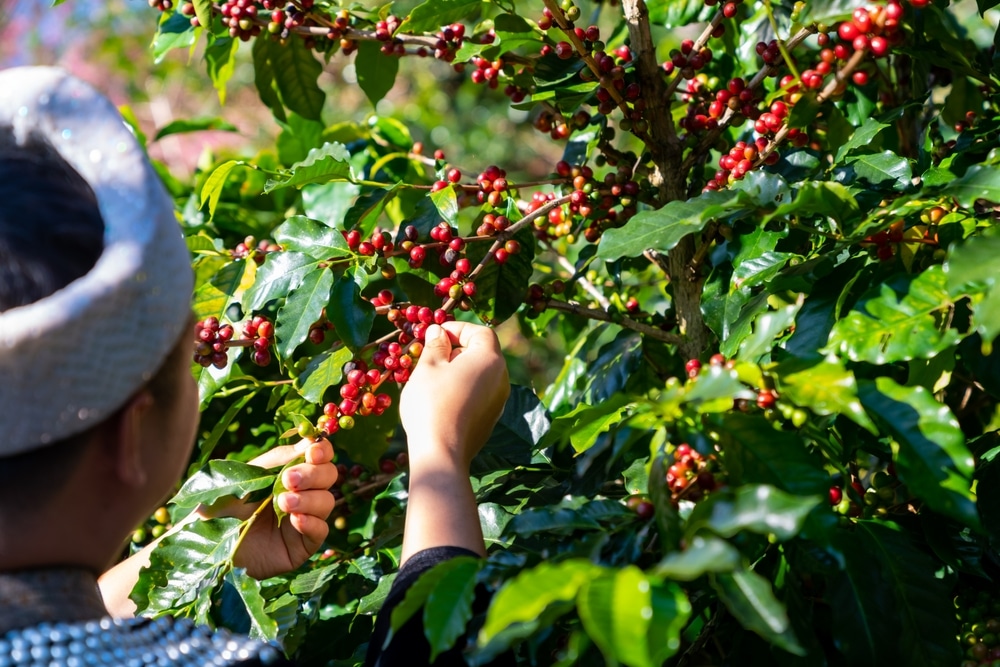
(764,267)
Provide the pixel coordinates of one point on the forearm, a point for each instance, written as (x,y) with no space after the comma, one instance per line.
(441,510)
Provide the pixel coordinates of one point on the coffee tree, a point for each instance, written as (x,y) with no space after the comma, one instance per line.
(766,264)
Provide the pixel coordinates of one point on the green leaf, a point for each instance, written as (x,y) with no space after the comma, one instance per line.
(212,189)
(446,202)
(185,568)
(703,555)
(376,71)
(300,234)
(884,167)
(581,426)
(928,446)
(262,626)
(756,453)
(750,598)
(668,521)
(203,11)
(889,604)
(432,14)
(364,214)
(185,126)
(972,269)
(979,182)
(174,32)
(823,198)
(500,288)
(905,320)
(449,605)
(225,287)
(527,595)
(323,371)
(663,228)
(222,479)
(822,385)
(564,520)
(296,73)
(861,138)
(280,273)
(221,58)
(207,444)
(632,619)
(329,162)
(756,508)
(302,308)
(279,487)
(351,315)
(265,74)
(418,595)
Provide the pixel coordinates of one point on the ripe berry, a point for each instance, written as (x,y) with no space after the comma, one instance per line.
(692,368)
(766,399)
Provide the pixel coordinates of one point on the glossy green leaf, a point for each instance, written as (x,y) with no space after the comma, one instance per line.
(663,228)
(280,273)
(449,605)
(702,555)
(905,319)
(185,568)
(419,593)
(329,162)
(366,211)
(756,453)
(227,286)
(296,71)
(581,426)
(300,234)
(500,288)
(757,508)
(174,32)
(884,167)
(928,446)
(376,71)
(979,182)
(527,595)
(303,307)
(973,269)
(262,626)
(222,479)
(446,202)
(323,371)
(212,189)
(668,520)
(565,520)
(826,199)
(750,599)
(634,620)
(861,137)
(824,386)
(351,315)
(430,15)
(221,58)
(203,11)
(889,603)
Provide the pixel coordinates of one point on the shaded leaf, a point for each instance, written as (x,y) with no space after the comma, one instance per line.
(351,315)
(703,555)
(756,453)
(376,71)
(824,386)
(756,508)
(262,626)
(750,598)
(303,307)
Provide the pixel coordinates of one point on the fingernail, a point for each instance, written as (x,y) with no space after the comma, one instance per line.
(291,501)
(432,332)
(292,479)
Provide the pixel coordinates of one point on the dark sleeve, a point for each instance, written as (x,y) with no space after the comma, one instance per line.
(409,646)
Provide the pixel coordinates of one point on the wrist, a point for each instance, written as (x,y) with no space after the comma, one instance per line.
(438,457)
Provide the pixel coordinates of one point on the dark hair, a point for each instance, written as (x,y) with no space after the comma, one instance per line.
(51,230)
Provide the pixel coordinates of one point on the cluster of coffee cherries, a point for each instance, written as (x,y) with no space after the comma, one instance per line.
(687,60)
(537,296)
(259,331)
(689,477)
(641,505)
(493,186)
(152,528)
(211,338)
(256,250)
(557,126)
(487,72)
(412,322)
(884,242)
(885,493)
(978,613)
(318,329)
(358,394)
(767,398)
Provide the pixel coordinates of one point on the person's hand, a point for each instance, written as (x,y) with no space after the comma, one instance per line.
(455,394)
(270,549)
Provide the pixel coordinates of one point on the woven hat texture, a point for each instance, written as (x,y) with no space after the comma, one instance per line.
(70,360)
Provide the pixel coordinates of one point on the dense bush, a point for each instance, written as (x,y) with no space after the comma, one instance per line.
(765,262)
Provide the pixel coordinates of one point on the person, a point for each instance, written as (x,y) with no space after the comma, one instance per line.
(99,410)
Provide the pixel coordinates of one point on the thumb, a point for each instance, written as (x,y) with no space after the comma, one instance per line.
(437,345)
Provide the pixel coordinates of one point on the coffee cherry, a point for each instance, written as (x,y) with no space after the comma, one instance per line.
(692,368)
(766,399)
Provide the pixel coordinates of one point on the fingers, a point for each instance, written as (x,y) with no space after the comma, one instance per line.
(313,531)
(309,476)
(470,335)
(318,452)
(313,503)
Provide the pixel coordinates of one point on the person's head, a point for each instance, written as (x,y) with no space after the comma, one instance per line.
(116,469)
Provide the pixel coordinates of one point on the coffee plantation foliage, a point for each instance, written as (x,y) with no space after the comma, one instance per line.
(764,272)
